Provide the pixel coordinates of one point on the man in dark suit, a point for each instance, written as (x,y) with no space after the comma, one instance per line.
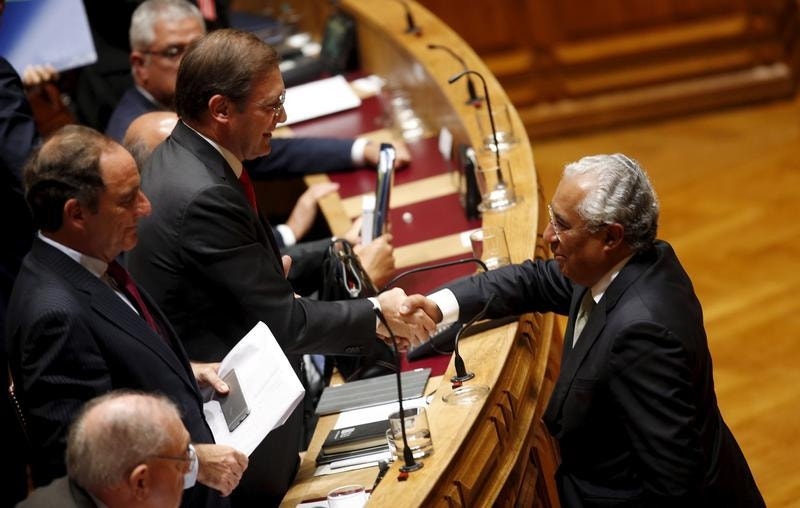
(125,448)
(161,30)
(208,259)
(634,409)
(77,327)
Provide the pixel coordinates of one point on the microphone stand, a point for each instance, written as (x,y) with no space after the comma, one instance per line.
(474,99)
(408,456)
(411,27)
(461,370)
(502,194)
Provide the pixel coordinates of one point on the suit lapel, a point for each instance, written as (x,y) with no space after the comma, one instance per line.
(216,163)
(111,308)
(573,358)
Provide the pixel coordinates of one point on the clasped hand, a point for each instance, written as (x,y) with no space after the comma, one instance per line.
(411,326)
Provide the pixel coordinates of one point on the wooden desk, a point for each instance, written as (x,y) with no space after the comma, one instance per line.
(491,453)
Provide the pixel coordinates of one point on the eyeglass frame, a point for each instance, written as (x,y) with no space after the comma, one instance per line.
(171,52)
(191,455)
(276,107)
(558,230)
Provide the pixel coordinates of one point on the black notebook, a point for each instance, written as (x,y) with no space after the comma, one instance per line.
(372,391)
(364,435)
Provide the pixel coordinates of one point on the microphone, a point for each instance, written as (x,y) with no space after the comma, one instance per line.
(411,27)
(491,117)
(434,266)
(408,456)
(474,99)
(461,370)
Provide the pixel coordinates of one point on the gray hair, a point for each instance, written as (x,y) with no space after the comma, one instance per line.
(621,193)
(142,31)
(114,433)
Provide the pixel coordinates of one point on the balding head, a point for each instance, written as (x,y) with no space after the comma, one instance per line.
(146,132)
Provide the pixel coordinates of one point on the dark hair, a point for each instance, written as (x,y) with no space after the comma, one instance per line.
(66,166)
(224,62)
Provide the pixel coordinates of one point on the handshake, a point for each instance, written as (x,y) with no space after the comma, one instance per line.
(412,318)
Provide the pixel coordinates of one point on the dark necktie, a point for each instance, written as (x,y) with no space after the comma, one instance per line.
(585,309)
(125,283)
(249,190)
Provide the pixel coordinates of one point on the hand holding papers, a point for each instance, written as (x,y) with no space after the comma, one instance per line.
(268,384)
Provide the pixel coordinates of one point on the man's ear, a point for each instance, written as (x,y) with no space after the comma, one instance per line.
(219,107)
(614,236)
(139,482)
(74,215)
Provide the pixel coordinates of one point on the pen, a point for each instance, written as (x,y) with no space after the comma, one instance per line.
(383,467)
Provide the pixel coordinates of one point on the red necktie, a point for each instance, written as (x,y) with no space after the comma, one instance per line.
(125,283)
(249,190)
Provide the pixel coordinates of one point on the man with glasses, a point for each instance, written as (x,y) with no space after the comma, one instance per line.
(210,262)
(160,32)
(634,409)
(79,325)
(124,448)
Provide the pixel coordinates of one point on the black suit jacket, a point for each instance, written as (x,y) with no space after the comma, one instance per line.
(70,339)
(214,269)
(634,408)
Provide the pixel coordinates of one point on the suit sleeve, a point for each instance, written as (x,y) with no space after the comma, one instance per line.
(18,134)
(56,344)
(651,384)
(302,156)
(221,238)
(526,287)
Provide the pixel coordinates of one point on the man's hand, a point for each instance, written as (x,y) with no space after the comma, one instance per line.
(402,155)
(35,75)
(416,326)
(377,258)
(221,466)
(421,302)
(305,210)
(207,374)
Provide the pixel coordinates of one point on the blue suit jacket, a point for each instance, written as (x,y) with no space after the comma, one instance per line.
(289,156)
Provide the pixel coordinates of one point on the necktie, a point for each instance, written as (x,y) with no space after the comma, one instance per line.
(587,304)
(249,190)
(125,283)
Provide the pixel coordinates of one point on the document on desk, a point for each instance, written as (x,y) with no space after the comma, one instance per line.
(269,384)
(319,98)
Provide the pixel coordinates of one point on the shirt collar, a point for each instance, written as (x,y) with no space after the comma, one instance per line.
(599,288)
(149,97)
(233,162)
(96,266)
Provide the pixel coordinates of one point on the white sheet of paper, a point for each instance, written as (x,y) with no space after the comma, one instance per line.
(319,98)
(270,386)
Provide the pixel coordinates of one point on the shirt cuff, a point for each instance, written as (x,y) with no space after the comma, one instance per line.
(448,305)
(190,477)
(375,305)
(357,152)
(286,234)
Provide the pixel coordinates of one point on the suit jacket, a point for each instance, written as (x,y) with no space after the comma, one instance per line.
(634,408)
(62,492)
(214,269)
(289,156)
(70,339)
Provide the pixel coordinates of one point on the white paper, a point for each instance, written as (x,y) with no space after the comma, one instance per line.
(374,413)
(270,386)
(340,466)
(319,98)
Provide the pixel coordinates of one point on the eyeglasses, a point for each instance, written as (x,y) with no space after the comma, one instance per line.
(557,230)
(190,455)
(276,107)
(171,52)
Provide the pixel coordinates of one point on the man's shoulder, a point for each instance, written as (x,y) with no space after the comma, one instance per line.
(131,105)
(59,492)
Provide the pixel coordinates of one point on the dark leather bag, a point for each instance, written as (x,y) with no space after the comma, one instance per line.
(344,278)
